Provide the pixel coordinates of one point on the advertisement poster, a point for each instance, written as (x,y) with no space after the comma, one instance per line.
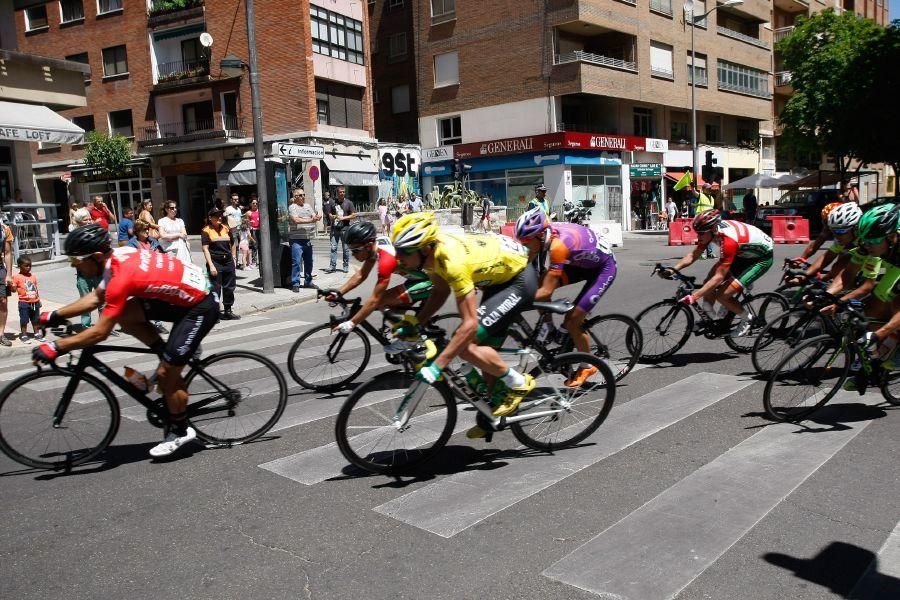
(281,201)
(399,171)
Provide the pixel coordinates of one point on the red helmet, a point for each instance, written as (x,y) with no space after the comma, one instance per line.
(708,220)
(826,210)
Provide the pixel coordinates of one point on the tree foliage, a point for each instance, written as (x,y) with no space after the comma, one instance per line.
(108,155)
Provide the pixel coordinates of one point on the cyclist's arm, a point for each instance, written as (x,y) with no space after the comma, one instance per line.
(814,245)
(552,280)
(87,303)
(845,279)
(440,291)
(465,333)
(719,274)
(821,262)
(837,268)
(890,327)
(88,337)
(690,258)
(357,278)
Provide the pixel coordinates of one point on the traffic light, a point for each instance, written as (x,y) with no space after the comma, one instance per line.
(459,169)
(708,170)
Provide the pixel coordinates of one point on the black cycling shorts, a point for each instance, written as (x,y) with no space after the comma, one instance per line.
(191,324)
(502,303)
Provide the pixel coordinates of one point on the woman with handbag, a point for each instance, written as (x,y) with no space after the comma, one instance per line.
(173,235)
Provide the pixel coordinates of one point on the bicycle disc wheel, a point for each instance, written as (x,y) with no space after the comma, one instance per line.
(764,308)
(324,362)
(616,339)
(235,397)
(580,410)
(779,337)
(365,430)
(666,327)
(806,379)
(27,406)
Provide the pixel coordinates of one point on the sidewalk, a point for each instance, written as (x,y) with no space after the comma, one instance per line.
(56,285)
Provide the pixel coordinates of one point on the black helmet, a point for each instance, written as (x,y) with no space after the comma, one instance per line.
(361,232)
(87,240)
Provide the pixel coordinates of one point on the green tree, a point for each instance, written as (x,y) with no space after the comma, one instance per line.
(106,154)
(820,55)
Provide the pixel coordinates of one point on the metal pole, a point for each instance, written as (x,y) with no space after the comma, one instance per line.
(694,148)
(265,234)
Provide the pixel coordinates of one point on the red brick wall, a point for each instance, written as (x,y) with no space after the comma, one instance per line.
(385,21)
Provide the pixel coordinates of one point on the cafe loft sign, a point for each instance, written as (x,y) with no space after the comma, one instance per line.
(551,141)
(645,170)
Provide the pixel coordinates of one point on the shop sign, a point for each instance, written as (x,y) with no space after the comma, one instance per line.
(645,170)
(298,151)
(551,141)
(589,141)
(399,162)
(437,154)
(656,145)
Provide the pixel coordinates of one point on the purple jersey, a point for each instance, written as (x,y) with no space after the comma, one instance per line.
(577,246)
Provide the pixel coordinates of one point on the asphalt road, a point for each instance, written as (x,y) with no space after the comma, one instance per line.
(685,492)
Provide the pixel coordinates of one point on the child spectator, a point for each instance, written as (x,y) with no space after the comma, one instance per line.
(245,239)
(29,300)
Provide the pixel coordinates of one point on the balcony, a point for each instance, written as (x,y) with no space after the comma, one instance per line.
(181,72)
(783,83)
(783,32)
(595,59)
(167,134)
(759,92)
(743,37)
(168,11)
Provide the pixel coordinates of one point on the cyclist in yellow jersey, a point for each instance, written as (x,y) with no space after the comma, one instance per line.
(461,263)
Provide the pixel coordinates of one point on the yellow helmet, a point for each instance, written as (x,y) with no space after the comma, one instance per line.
(414,230)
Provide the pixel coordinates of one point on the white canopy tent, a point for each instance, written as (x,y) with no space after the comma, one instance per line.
(760,181)
(35,123)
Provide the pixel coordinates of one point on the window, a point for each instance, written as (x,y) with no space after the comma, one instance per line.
(339,105)
(446,69)
(747,133)
(661,60)
(699,9)
(81,57)
(643,122)
(86,122)
(400,99)
(120,123)
(105,6)
(71,11)
(679,131)
(336,35)
(699,68)
(661,6)
(745,80)
(375,97)
(442,11)
(322,111)
(714,130)
(115,61)
(397,47)
(449,131)
(35,17)
(230,110)
(395,4)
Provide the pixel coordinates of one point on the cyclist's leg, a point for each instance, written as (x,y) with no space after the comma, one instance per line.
(135,322)
(743,273)
(596,284)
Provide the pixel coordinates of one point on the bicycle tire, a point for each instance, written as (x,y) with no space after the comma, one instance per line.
(311,378)
(621,352)
(766,306)
(652,329)
(780,404)
(890,387)
(355,415)
(261,402)
(31,399)
(564,366)
(783,333)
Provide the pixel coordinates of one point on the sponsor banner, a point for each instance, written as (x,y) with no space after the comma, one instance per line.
(437,154)
(553,141)
(400,167)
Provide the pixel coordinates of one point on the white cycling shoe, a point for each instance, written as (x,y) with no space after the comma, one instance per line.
(172,442)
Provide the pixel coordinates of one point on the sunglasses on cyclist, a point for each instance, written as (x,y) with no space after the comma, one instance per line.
(358,249)
(77,260)
(408,251)
(842,231)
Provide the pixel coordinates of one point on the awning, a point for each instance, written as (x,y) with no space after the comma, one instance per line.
(816,179)
(240,171)
(35,123)
(346,169)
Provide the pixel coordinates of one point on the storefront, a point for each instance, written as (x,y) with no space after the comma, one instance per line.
(399,170)
(647,194)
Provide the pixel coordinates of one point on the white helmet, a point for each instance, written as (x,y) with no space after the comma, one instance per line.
(844,216)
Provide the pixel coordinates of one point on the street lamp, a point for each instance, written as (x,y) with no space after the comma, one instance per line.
(689,8)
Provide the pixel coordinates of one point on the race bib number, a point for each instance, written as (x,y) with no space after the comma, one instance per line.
(507,243)
(603,245)
(194,277)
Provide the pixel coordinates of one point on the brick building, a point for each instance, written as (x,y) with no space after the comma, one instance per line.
(394,70)
(157,79)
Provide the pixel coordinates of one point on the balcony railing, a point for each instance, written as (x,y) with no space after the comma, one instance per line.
(759,92)
(783,78)
(661,72)
(165,11)
(661,6)
(182,69)
(743,37)
(783,32)
(595,59)
(161,134)
(702,79)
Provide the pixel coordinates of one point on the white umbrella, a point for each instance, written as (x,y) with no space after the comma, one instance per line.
(755,181)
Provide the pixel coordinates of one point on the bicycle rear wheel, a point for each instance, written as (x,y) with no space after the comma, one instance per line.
(365,429)
(763,308)
(27,408)
(579,410)
(322,361)
(616,339)
(235,397)
(666,327)
(890,387)
(806,379)
(779,337)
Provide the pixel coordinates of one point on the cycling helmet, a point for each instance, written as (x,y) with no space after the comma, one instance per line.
(532,223)
(414,230)
(361,232)
(826,210)
(708,220)
(87,240)
(844,216)
(878,223)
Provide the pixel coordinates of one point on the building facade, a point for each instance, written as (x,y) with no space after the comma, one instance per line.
(394,70)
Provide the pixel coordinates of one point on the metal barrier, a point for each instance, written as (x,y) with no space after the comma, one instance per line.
(35,228)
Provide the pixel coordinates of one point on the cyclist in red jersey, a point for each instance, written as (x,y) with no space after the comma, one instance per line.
(137,287)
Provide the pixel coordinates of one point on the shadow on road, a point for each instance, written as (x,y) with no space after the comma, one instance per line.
(686,358)
(831,417)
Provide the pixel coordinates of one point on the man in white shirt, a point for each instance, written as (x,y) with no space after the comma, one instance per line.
(671,210)
(232,215)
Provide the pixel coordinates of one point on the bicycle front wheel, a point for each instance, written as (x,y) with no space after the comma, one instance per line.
(890,387)
(27,408)
(324,362)
(762,309)
(572,413)
(235,397)
(806,379)
(666,327)
(618,340)
(779,337)
(369,436)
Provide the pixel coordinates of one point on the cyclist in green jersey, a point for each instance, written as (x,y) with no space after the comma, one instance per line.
(841,222)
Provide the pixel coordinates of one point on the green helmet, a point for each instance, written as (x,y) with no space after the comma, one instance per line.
(878,223)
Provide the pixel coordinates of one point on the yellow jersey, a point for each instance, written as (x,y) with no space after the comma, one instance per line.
(467,262)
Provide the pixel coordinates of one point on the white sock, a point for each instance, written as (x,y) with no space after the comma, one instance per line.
(708,307)
(513,379)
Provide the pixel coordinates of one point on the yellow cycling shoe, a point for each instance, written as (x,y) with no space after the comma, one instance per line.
(581,376)
(513,398)
(476,433)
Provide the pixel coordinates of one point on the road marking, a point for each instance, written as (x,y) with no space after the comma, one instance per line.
(660,548)
(879,581)
(456,503)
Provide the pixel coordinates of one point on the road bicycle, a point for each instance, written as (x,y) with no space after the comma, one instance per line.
(816,369)
(668,324)
(322,361)
(409,427)
(62,416)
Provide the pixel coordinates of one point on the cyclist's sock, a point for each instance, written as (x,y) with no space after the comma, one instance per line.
(708,307)
(178,423)
(513,378)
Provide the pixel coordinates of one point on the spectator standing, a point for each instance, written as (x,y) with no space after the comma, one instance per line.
(245,238)
(303,219)
(126,226)
(29,300)
(73,208)
(146,215)
(142,239)
(233,216)
(540,200)
(172,234)
(215,239)
(703,202)
(83,284)
(852,194)
(485,220)
(415,205)
(750,204)
(340,220)
(100,213)
(383,216)
(6,281)
(403,208)
(253,216)
(671,211)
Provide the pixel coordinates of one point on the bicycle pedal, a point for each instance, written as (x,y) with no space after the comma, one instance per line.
(488,437)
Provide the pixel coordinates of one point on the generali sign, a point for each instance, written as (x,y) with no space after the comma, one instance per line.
(554,141)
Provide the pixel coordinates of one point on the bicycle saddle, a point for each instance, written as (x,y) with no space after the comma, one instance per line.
(560,307)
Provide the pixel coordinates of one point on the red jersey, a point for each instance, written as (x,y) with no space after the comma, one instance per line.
(100,217)
(386,255)
(133,273)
